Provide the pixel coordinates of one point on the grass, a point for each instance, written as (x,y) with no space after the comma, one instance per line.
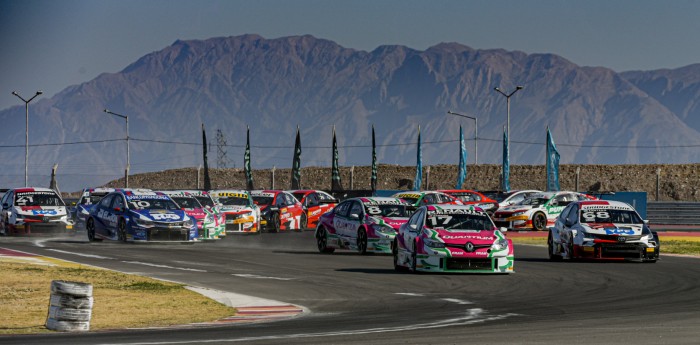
(687,245)
(121,300)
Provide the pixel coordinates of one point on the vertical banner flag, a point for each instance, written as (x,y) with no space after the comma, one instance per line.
(419,165)
(552,164)
(246,163)
(296,163)
(207,181)
(335,170)
(462,160)
(373,179)
(506,163)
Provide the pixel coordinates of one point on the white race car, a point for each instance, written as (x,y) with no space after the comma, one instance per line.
(602,229)
(240,213)
(536,212)
(27,211)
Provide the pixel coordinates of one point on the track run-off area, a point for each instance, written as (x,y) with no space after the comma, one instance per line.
(355,299)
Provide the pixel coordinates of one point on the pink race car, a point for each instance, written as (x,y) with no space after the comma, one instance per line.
(452,238)
(362,224)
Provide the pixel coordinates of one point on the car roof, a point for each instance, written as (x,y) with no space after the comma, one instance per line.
(605,204)
(381,200)
(448,207)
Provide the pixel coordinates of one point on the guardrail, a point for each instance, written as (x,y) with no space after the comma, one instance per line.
(674,215)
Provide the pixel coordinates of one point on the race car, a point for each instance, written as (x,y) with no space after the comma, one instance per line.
(315,203)
(602,230)
(362,224)
(510,197)
(427,198)
(34,211)
(88,198)
(206,222)
(471,197)
(210,207)
(241,215)
(536,212)
(279,210)
(127,215)
(452,238)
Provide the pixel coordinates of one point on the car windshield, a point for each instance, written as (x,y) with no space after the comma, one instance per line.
(205,200)
(231,201)
(457,222)
(498,196)
(387,210)
(152,204)
(534,201)
(610,216)
(186,202)
(262,200)
(92,199)
(466,197)
(38,199)
(299,196)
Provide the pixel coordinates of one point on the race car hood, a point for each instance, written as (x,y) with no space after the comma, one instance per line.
(196,213)
(235,208)
(614,229)
(394,222)
(515,208)
(483,237)
(162,215)
(41,210)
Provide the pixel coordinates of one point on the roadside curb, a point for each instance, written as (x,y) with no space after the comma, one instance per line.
(248,308)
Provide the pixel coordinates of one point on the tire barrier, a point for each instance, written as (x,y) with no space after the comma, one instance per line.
(70,306)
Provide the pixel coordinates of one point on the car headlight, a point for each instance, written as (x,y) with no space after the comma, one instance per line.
(500,244)
(145,223)
(433,243)
(518,213)
(387,230)
(84,211)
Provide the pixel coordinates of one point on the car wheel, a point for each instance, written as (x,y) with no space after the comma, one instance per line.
(322,241)
(395,251)
(362,241)
(275,220)
(414,258)
(90,229)
(571,250)
(539,221)
(550,247)
(121,230)
(303,222)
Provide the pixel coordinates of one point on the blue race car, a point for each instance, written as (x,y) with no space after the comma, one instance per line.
(131,215)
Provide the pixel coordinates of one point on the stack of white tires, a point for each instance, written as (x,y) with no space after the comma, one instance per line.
(70,307)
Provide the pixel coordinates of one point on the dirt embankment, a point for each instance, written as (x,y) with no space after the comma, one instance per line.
(679,182)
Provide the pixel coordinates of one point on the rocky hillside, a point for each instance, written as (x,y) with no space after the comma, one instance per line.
(676,182)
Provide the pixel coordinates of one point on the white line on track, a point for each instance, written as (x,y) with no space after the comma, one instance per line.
(164,266)
(255,276)
(473,316)
(458,301)
(409,294)
(81,254)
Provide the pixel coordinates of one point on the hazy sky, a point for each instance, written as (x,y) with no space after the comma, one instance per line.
(51,44)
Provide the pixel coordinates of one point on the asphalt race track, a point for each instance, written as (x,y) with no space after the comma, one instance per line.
(356,299)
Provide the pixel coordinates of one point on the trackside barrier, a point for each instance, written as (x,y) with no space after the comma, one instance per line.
(70,306)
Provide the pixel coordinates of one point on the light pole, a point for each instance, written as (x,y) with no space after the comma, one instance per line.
(508,112)
(26,132)
(128,161)
(507,172)
(476,133)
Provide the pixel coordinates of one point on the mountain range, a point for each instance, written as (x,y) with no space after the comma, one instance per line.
(596,115)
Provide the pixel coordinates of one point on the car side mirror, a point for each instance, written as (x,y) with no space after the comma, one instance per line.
(646,221)
(413,227)
(354,216)
(568,222)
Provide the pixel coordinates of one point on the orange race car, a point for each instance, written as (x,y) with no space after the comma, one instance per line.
(279,210)
(471,197)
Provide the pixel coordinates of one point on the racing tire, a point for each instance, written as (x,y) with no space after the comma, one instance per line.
(414,259)
(74,289)
(395,252)
(362,241)
(67,326)
(69,314)
(303,222)
(67,301)
(121,230)
(539,221)
(571,251)
(322,242)
(550,248)
(90,229)
(275,222)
